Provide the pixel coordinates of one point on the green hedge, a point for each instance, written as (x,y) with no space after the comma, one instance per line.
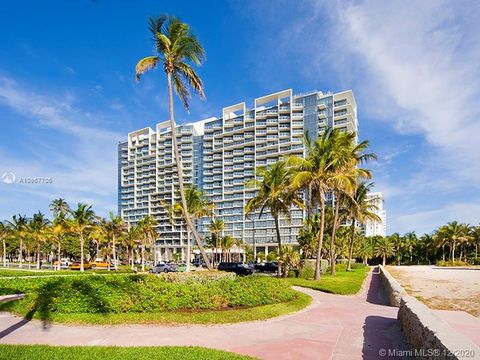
(139,294)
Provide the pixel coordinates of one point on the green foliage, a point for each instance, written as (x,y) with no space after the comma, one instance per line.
(261,256)
(44,352)
(451,263)
(46,297)
(272,256)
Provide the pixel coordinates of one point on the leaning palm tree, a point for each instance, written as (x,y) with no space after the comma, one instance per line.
(82,220)
(360,209)
(274,194)
(177,48)
(19,228)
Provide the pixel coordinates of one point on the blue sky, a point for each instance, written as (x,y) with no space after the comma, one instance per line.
(67,90)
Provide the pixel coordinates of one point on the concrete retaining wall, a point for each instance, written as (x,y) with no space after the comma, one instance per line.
(430,336)
(393,289)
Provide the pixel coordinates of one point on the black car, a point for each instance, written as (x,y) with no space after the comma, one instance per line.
(236,267)
(267,267)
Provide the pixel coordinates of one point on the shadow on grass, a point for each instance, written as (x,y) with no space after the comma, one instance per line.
(44,304)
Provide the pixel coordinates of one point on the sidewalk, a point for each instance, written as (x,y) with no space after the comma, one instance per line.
(332,327)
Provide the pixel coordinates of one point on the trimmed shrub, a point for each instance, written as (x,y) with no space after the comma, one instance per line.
(451,263)
(141,293)
(201,277)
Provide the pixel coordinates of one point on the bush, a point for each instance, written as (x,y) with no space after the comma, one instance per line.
(201,277)
(451,263)
(476,261)
(358,266)
(141,293)
(345,261)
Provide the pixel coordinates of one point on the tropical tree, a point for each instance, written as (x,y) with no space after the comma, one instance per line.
(115,228)
(410,240)
(383,248)
(274,194)
(226,243)
(366,249)
(289,259)
(148,234)
(198,206)
(360,209)
(177,49)
(82,220)
(398,244)
(216,228)
(307,236)
(59,230)
(37,229)
(19,228)
(59,206)
(130,240)
(4,233)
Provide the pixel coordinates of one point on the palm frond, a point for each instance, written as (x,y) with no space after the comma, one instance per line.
(144,65)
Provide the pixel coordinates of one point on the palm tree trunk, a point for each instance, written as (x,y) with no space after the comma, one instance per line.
(333,271)
(476,249)
(443,252)
(350,250)
(81,253)
(279,243)
(187,268)
(320,241)
(178,162)
(114,253)
(38,256)
(97,243)
(132,259)
(58,256)
(143,257)
(384,262)
(453,251)
(4,253)
(20,257)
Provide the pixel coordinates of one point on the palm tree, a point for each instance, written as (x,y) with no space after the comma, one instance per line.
(38,232)
(344,176)
(307,236)
(177,48)
(82,219)
(226,243)
(148,234)
(383,248)
(115,227)
(366,250)
(289,259)
(130,239)
(198,206)
(274,194)
(360,208)
(59,206)
(4,233)
(398,243)
(475,233)
(59,229)
(216,228)
(410,241)
(19,228)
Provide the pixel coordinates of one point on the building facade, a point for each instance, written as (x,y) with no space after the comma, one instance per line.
(375,227)
(220,155)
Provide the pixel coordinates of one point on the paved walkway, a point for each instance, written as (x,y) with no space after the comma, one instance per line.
(332,327)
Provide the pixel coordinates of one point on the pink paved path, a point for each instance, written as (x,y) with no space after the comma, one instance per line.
(332,327)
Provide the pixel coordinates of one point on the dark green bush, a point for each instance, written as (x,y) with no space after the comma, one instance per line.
(140,293)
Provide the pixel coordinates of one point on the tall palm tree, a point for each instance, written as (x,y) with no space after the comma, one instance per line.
(82,220)
(383,248)
(19,228)
(198,206)
(177,49)
(366,250)
(360,209)
(130,240)
(289,259)
(38,232)
(115,227)
(345,175)
(307,236)
(274,194)
(410,241)
(216,228)
(475,233)
(148,234)
(398,244)
(226,243)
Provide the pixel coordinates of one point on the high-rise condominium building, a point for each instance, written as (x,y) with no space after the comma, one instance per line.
(220,155)
(375,227)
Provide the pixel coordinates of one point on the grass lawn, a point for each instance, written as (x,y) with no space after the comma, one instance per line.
(344,283)
(43,352)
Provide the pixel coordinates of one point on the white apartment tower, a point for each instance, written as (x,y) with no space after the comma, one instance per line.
(220,155)
(374,227)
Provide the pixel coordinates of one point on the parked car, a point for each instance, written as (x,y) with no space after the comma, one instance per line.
(125,262)
(100,264)
(236,267)
(76,266)
(63,262)
(267,267)
(163,268)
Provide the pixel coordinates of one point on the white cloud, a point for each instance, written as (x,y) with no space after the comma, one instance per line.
(82,165)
